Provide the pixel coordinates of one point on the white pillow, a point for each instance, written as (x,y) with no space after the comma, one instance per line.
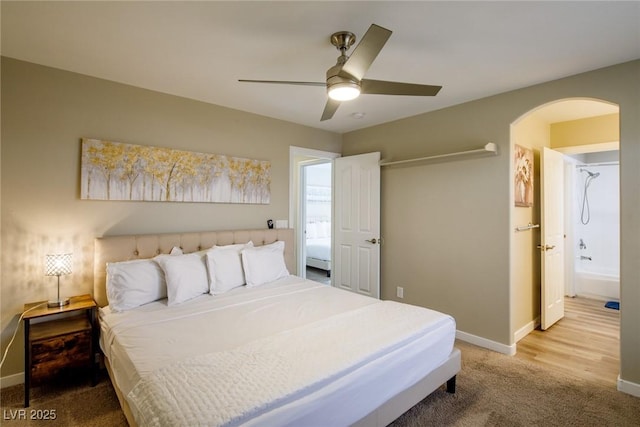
(325,227)
(312,230)
(186,276)
(224,264)
(263,264)
(134,283)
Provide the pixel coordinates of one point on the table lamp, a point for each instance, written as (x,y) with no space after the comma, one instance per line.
(57,265)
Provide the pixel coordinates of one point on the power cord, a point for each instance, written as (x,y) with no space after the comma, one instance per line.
(4,356)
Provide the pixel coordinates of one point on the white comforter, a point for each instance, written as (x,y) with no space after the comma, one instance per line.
(319,248)
(245,355)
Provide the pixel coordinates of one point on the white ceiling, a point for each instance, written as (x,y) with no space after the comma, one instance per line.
(200,49)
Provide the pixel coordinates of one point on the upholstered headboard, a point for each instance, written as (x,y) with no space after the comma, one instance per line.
(124,248)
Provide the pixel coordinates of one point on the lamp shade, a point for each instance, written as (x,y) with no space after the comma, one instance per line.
(58,264)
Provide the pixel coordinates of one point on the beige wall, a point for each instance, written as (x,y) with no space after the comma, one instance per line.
(587,131)
(447,226)
(532,133)
(45,113)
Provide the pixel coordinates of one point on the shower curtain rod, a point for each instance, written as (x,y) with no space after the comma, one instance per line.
(489,147)
(586,165)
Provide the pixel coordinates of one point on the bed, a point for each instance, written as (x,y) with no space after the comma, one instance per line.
(282,352)
(318,245)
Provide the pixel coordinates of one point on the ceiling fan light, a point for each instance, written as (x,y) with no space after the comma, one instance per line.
(344,91)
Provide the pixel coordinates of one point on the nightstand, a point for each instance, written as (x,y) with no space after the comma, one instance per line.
(61,337)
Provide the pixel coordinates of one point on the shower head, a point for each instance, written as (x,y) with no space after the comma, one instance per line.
(591,174)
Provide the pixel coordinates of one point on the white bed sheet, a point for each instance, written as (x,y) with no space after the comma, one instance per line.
(141,341)
(319,248)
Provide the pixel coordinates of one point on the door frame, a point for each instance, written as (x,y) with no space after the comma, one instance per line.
(299,156)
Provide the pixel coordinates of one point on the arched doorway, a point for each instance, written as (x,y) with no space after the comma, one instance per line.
(586,131)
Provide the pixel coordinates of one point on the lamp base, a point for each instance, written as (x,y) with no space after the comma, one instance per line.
(58,303)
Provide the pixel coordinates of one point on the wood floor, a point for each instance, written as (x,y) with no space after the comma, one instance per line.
(586,342)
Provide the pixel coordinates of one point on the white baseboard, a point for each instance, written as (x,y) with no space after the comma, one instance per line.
(10,380)
(509,350)
(526,329)
(628,387)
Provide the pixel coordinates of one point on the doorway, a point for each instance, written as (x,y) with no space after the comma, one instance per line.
(355,203)
(582,128)
(316,209)
(299,159)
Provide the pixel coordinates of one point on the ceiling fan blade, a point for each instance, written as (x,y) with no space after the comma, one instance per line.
(366,52)
(329,109)
(282,82)
(381,87)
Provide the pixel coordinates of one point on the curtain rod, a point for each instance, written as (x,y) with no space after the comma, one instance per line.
(489,147)
(586,165)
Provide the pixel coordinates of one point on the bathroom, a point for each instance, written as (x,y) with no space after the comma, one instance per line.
(594,213)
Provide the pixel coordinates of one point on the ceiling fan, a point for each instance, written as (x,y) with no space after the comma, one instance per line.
(345,79)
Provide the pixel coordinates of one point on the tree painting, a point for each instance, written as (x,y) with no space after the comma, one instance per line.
(523,176)
(117,171)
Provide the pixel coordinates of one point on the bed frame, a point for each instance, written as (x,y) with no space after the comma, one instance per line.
(321,264)
(124,248)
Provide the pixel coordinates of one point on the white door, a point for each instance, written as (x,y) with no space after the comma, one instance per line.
(552,236)
(356,248)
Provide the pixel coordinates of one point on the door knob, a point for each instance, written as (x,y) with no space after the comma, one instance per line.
(374,241)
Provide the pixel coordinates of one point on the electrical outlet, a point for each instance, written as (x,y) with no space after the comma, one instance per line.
(400,292)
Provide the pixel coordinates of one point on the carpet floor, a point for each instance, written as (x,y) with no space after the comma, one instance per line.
(492,390)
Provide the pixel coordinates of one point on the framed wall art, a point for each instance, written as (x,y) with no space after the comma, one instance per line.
(523,176)
(117,171)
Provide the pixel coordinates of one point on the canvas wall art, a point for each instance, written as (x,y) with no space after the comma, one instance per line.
(117,171)
(523,176)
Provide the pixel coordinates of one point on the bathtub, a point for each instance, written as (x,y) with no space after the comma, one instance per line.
(596,285)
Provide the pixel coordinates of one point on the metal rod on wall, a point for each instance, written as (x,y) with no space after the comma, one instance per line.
(489,147)
(527,227)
